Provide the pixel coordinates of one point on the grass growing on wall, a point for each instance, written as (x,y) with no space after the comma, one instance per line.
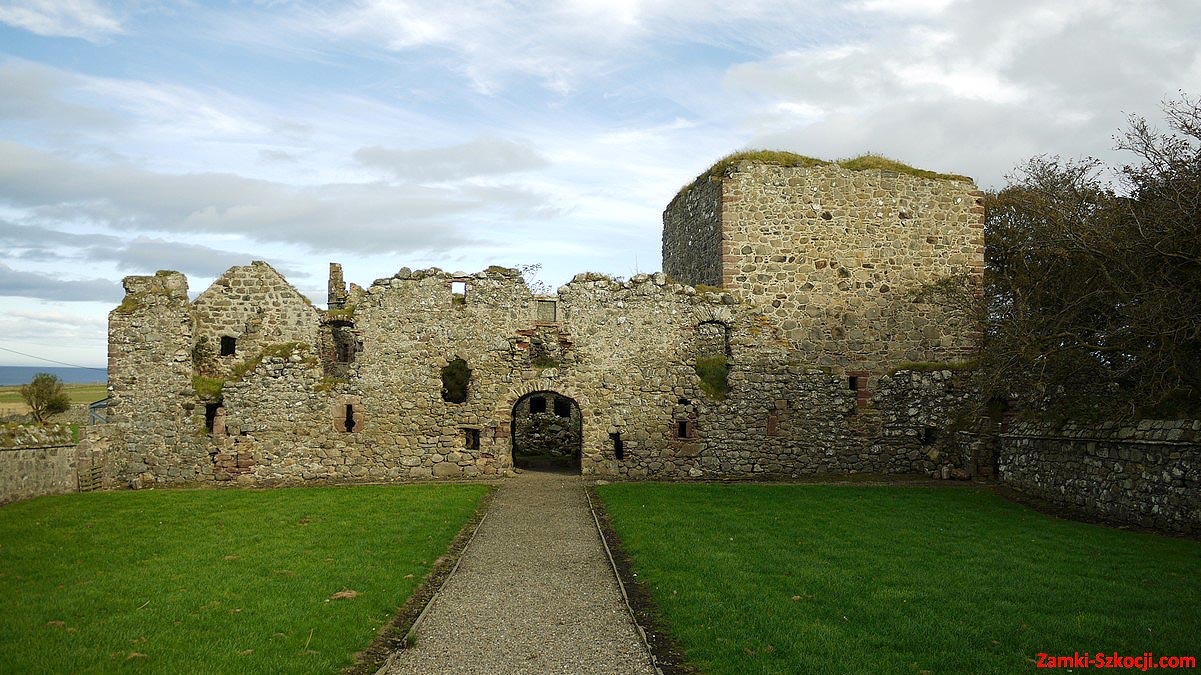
(215,581)
(852,579)
(866,162)
(714,372)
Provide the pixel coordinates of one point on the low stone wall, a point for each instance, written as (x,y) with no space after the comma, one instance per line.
(1147,475)
(34,472)
(36,460)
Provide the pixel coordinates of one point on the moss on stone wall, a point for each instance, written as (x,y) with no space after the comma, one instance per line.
(208,388)
(714,372)
(281,350)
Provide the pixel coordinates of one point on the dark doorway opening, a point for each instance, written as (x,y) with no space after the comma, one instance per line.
(547,440)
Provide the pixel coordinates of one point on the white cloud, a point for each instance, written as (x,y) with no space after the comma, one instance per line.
(481,157)
(376,217)
(974,86)
(62,18)
(33,285)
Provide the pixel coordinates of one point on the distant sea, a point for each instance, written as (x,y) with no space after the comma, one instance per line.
(10,375)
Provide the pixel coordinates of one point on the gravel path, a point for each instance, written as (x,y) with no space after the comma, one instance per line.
(534,593)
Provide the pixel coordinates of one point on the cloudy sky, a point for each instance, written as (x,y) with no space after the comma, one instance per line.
(193,136)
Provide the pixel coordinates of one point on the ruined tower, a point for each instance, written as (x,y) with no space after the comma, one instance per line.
(835,252)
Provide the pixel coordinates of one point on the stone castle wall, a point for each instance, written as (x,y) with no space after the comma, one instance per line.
(624,352)
(818,263)
(1148,474)
(835,257)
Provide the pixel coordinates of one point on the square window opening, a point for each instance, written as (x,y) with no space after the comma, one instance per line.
(562,407)
(471,439)
(229,345)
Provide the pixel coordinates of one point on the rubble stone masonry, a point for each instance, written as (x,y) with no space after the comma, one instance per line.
(835,257)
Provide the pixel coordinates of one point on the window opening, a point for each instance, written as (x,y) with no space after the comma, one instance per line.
(682,429)
(853,383)
(345,344)
(210,415)
(455,378)
(458,292)
(537,405)
(929,435)
(619,448)
(349,417)
(713,338)
(471,439)
(228,345)
(562,407)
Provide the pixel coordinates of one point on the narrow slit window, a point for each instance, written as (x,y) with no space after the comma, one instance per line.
(619,448)
(537,405)
(349,417)
(471,439)
(853,383)
(562,407)
(682,429)
(229,345)
(210,415)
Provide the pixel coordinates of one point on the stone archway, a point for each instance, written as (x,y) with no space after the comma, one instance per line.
(547,433)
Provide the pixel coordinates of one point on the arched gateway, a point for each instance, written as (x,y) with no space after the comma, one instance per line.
(547,432)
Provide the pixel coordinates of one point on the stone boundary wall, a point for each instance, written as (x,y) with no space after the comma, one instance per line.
(1147,475)
(32,472)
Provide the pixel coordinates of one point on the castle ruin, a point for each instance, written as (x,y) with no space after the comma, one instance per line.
(765,348)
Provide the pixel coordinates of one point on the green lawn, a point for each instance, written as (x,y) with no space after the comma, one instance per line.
(215,581)
(782,579)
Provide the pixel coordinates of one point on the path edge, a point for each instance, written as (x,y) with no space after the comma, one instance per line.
(398,633)
(665,654)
